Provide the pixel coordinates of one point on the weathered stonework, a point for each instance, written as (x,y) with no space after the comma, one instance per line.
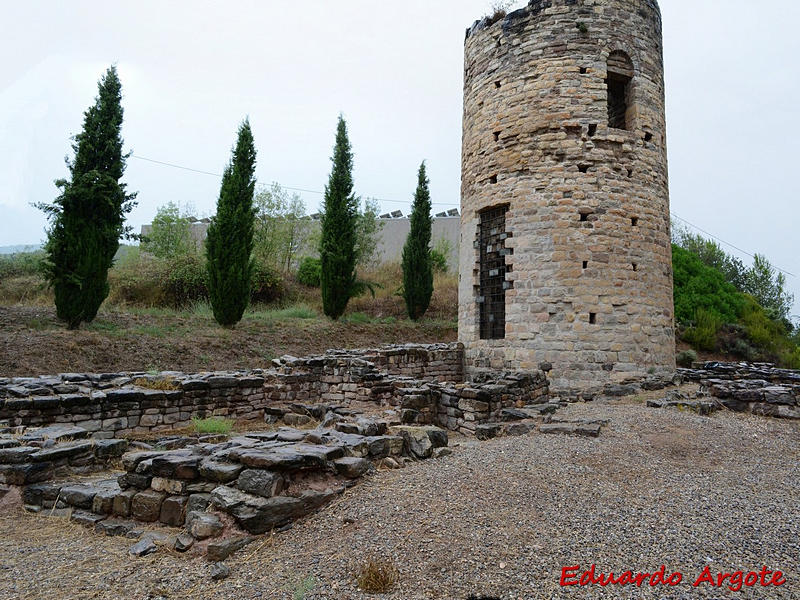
(424,384)
(587,255)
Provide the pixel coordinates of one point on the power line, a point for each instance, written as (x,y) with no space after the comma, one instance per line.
(721,241)
(296,189)
(286,187)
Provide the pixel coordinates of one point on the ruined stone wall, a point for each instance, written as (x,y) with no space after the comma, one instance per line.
(588,250)
(423,382)
(109,405)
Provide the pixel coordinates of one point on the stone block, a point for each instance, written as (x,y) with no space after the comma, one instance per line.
(121,505)
(146,505)
(173,510)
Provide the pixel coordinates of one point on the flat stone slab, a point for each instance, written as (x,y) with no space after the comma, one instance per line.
(56,433)
(221,549)
(587,430)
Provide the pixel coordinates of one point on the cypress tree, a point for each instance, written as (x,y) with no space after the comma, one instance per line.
(417,265)
(339,219)
(229,244)
(88,217)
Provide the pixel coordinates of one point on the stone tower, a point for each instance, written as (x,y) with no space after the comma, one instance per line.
(565,255)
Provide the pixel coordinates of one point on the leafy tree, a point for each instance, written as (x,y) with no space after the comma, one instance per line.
(171,233)
(338,237)
(712,255)
(88,217)
(417,266)
(368,229)
(769,289)
(229,245)
(440,255)
(282,228)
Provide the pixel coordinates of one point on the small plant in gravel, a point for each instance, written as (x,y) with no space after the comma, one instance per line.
(163,383)
(377,576)
(303,587)
(686,358)
(212,425)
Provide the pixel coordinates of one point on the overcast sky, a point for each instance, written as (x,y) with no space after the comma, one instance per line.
(192,70)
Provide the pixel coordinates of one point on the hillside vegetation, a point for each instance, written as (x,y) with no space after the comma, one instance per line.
(722,308)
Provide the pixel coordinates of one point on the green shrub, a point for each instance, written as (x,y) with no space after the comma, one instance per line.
(686,358)
(310,272)
(438,261)
(212,425)
(267,285)
(21,264)
(741,349)
(700,287)
(137,279)
(185,280)
(703,335)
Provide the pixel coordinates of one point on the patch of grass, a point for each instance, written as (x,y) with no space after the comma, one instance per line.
(377,576)
(103,326)
(357,318)
(164,383)
(159,331)
(38,324)
(212,425)
(299,311)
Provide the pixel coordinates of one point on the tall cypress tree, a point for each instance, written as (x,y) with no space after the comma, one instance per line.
(88,217)
(229,244)
(339,219)
(417,265)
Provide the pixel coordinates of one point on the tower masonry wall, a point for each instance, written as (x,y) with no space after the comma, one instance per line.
(588,254)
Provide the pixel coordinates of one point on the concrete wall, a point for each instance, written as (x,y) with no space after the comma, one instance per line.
(393,235)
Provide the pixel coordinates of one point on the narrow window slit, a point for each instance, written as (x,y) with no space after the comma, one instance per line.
(592,318)
(586,264)
(496,136)
(491,293)
(493,179)
(634,221)
(635,267)
(618,84)
(592,130)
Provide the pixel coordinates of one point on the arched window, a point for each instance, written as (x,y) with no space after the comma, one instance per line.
(620,75)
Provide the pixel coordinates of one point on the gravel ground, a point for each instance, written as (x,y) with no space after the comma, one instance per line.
(498,518)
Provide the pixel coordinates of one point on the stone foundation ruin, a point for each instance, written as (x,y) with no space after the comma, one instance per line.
(314,426)
(116,451)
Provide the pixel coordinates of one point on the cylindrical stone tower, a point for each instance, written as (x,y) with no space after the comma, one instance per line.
(565,231)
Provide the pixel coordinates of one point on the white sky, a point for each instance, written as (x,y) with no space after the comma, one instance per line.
(192,70)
